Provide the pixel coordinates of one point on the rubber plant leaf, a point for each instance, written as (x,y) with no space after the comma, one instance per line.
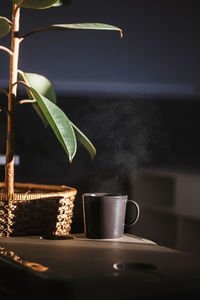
(84,141)
(43,86)
(59,123)
(76,26)
(36,4)
(4,27)
(62,3)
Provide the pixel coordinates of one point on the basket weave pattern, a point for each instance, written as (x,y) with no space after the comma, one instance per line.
(36,210)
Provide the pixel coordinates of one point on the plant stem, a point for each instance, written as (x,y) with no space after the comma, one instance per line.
(15,41)
(4,91)
(6,50)
(26,101)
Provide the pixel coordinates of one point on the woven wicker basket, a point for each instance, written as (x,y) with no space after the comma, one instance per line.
(35,209)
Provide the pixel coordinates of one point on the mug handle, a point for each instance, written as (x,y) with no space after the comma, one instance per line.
(137,215)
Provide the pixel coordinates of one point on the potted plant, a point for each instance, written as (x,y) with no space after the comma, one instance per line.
(27,209)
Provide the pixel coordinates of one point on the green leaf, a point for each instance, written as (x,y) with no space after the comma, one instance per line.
(62,3)
(43,86)
(59,123)
(4,27)
(84,141)
(77,26)
(36,4)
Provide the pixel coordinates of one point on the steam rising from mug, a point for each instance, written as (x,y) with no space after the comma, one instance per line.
(125,133)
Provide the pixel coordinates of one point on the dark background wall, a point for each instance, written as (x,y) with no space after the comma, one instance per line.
(159,52)
(136,98)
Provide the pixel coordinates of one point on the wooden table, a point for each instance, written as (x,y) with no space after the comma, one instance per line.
(127,268)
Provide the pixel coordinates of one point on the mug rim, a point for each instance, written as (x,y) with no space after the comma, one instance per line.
(94,194)
(105,195)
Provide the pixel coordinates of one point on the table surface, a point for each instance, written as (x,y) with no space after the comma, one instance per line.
(98,269)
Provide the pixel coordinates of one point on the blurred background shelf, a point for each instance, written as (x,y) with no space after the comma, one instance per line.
(170,207)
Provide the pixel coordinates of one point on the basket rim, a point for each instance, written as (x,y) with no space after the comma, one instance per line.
(51,191)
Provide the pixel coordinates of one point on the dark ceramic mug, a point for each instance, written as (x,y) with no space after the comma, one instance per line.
(104,215)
